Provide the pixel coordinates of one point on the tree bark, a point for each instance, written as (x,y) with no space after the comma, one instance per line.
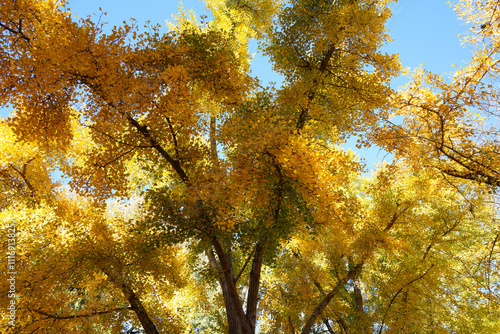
(344,328)
(330,329)
(253,290)
(134,301)
(360,312)
(292,329)
(138,308)
(358,297)
(231,314)
(324,303)
(234,302)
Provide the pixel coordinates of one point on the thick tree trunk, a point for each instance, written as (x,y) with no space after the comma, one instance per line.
(358,297)
(231,314)
(253,290)
(290,323)
(233,302)
(344,328)
(238,321)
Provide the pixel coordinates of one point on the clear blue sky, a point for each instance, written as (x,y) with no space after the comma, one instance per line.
(424,32)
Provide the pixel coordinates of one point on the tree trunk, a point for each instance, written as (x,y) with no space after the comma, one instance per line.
(238,321)
(360,312)
(253,290)
(231,314)
(324,303)
(134,301)
(233,304)
(138,308)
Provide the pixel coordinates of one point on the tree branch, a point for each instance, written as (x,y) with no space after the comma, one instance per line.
(135,302)
(92,314)
(291,324)
(232,291)
(244,266)
(174,137)
(23,175)
(324,303)
(328,326)
(253,290)
(148,136)
(397,293)
(16,32)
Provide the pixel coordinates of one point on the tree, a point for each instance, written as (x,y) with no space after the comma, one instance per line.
(77,269)
(244,197)
(419,272)
(454,121)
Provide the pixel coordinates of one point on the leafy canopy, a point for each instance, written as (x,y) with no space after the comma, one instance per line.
(196,200)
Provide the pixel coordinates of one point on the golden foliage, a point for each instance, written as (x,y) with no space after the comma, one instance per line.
(190,188)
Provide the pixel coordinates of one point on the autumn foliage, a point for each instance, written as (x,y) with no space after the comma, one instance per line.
(195,200)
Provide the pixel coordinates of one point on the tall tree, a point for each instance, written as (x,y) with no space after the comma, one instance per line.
(75,266)
(420,247)
(238,186)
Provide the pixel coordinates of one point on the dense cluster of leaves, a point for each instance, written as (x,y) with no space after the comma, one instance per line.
(198,201)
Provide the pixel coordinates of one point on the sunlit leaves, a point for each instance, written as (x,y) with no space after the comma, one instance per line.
(190,188)
(450,123)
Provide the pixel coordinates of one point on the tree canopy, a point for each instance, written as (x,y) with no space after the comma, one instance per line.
(193,199)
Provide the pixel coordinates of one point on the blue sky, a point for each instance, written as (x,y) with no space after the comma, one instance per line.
(424,32)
